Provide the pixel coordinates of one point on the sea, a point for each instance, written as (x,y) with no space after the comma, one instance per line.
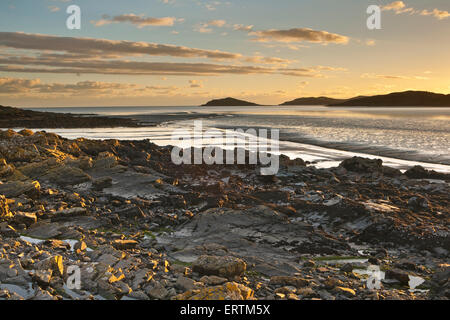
(401,137)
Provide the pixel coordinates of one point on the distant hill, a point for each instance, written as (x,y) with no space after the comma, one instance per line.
(228,102)
(399,99)
(312,101)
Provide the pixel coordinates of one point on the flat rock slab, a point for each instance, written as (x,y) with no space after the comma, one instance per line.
(271,241)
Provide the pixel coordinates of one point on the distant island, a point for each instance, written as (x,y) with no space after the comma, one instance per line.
(19,118)
(229,102)
(399,99)
(312,101)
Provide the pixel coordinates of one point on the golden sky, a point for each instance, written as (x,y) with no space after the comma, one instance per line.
(186,52)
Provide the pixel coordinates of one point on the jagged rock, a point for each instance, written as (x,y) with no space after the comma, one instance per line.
(43,277)
(365,165)
(124,244)
(228,291)
(4,208)
(7,231)
(105,160)
(15,189)
(27,218)
(54,263)
(219,266)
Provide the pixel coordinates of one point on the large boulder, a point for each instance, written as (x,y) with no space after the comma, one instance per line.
(15,189)
(228,291)
(419,172)
(365,165)
(219,266)
(66,175)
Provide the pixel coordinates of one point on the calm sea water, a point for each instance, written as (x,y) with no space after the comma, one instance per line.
(317,133)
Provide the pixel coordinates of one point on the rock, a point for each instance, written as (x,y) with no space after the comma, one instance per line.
(348,267)
(80,246)
(219,266)
(102,183)
(43,277)
(105,160)
(14,189)
(345,291)
(7,231)
(289,281)
(398,275)
(26,218)
(124,244)
(66,175)
(228,291)
(156,291)
(55,264)
(185,284)
(362,165)
(133,211)
(4,208)
(419,172)
(72,212)
(309,264)
(418,202)
(213,280)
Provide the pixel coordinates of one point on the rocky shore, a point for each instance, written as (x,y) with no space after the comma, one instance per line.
(137,226)
(19,118)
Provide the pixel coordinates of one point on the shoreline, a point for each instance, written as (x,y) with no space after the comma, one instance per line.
(152,230)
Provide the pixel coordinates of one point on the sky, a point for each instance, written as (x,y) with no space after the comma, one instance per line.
(186,52)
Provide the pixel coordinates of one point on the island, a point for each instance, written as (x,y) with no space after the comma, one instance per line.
(229,102)
(312,101)
(399,99)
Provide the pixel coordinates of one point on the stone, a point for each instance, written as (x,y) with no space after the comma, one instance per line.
(4,208)
(226,266)
(289,281)
(102,183)
(345,291)
(156,291)
(43,277)
(228,291)
(72,212)
(80,246)
(124,244)
(54,263)
(26,218)
(398,275)
(185,284)
(66,175)
(362,165)
(14,189)
(213,280)
(348,267)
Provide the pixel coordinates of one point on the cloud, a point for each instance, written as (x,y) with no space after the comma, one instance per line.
(195,84)
(241,27)
(89,46)
(26,64)
(299,35)
(54,8)
(391,77)
(35,87)
(217,23)
(439,14)
(138,20)
(400,7)
(67,55)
